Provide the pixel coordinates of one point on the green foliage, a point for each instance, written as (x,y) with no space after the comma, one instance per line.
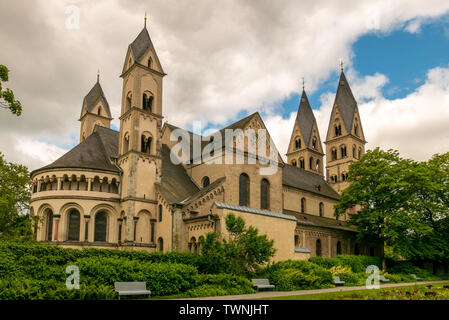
(357,263)
(242,253)
(353,279)
(408,268)
(405,204)
(297,275)
(15,184)
(7,99)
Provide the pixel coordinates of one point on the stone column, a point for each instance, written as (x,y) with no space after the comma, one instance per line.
(58,183)
(135,220)
(89,184)
(86,228)
(330,246)
(56,218)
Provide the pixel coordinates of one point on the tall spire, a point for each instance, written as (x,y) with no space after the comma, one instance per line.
(145,20)
(98,75)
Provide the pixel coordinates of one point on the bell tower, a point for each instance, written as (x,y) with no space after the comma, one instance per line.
(305,149)
(140,131)
(345,141)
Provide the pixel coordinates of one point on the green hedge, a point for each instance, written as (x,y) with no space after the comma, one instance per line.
(358,263)
(408,268)
(296,275)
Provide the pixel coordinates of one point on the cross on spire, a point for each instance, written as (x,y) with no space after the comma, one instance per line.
(341,64)
(302,83)
(145,20)
(98,75)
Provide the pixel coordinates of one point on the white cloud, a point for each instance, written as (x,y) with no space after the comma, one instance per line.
(416,125)
(221,58)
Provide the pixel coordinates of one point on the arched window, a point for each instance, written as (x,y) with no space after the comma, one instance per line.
(343,151)
(337,130)
(317,167)
(264,194)
(99,111)
(101,220)
(297,143)
(314,142)
(356,129)
(160,244)
(311,163)
(321,206)
(150,63)
(303,205)
(205,181)
(318,247)
(294,163)
(129,98)
(145,144)
(338,247)
(74,225)
(354,154)
(360,153)
(126,143)
(49,225)
(147,102)
(334,154)
(297,241)
(302,163)
(160,213)
(344,176)
(244,190)
(193,246)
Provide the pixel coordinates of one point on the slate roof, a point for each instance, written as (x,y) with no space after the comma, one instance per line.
(141,44)
(222,205)
(346,102)
(93,153)
(305,118)
(91,99)
(176,185)
(308,181)
(317,221)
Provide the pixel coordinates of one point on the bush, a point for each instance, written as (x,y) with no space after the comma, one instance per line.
(161,278)
(298,274)
(353,279)
(408,268)
(357,263)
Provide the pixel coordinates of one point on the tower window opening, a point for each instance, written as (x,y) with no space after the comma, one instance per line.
(145,144)
(298,143)
(314,143)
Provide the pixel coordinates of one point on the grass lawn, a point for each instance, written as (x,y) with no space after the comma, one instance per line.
(439,291)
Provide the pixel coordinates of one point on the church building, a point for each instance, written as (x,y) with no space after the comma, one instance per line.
(121,189)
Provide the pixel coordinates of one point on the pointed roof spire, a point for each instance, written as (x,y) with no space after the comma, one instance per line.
(345,101)
(341,64)
(98,75)
(305,118)
(302,83)
(145,20)
(95,94)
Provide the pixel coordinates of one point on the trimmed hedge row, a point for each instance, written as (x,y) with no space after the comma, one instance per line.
(357,263)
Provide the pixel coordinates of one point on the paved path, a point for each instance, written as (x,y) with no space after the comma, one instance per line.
(273,294)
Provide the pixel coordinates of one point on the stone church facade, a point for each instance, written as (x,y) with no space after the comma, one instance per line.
(121,189)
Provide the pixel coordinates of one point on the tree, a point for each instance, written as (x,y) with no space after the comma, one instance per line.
(404,203)
(7,100)
(15,184)
(242,252)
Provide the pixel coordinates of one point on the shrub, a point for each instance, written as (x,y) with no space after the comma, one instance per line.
(353,279)
(298,274)
(357,263)
(408,268)
(326,263)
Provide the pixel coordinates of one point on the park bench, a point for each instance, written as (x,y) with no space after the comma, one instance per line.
(337,281)
(131,289)
(262,284)
(415,277)
(383,279)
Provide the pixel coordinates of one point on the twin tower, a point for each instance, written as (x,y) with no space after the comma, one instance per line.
(345,141)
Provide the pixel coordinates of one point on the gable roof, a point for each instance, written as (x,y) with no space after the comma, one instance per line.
(176,185)
(345,101)
(93,153)
(91,99)
(322,222)
(141,44)
(305,118)
(308,181)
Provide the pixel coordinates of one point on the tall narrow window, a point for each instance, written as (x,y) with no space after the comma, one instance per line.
(152,231)
(297,143)
(126,143)
(160,213)
(74,225)
(321,209)
(147,102)
(129,97)
(354,154)
(343,151)
(334,154)
(244,190)
(99,111)
(145,144)
(160,244)
(294,163)
(150,63)
(338,247)
(311,163)
(318,248)
(338,130)
(303,205)
(302,163)
(360,153)
(100,227)
(314,143)
(317,167)
(49,225)
(264,194)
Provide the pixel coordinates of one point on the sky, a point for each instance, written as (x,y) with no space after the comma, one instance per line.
(225,60)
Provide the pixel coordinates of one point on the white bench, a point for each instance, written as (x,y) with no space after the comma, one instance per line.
(262,284)
(337,281)
(131,289)
(415,277)
(383,279)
